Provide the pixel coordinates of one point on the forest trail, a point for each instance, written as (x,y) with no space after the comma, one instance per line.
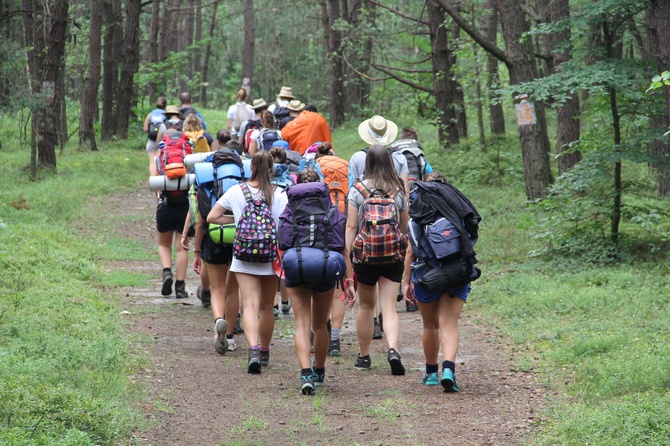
(201,398)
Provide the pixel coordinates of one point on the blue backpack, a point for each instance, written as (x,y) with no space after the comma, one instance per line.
(219,172)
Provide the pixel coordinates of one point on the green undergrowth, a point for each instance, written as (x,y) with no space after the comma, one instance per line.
(65,355)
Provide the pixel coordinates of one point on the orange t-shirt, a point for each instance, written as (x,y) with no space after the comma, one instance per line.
(308,128)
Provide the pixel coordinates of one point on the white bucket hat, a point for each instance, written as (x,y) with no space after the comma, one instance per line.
(378,130)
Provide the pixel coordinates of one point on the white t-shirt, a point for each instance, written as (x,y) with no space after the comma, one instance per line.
(234,200)
(232,113)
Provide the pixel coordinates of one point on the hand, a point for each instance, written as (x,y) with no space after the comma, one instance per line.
(197,263)
(350,292)
(408,292)
(185,241)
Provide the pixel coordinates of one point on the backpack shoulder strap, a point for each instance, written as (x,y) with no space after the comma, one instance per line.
(360,187)
(246,192)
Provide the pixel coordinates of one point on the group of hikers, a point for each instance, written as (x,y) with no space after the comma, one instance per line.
(273,211)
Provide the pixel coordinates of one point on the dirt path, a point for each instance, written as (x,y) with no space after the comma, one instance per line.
(201,398)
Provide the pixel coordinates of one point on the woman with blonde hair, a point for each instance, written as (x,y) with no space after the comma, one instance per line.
(257,279)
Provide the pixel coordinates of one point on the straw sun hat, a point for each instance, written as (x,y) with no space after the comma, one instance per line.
(378,130)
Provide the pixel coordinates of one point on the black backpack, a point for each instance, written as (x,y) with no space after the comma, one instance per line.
(281,113)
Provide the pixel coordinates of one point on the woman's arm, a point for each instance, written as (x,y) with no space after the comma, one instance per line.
(352,225)
(253,145)
(349,289)
(145,127)
(404,218)
(197,243)
(407,285)
(217,215)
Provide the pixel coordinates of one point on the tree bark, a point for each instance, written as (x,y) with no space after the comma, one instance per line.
(441,63)
(455,86)
(248,52)
(89,101)
(496,114)
(110,69)
(130,65)
(154,45)
(334,39)
(205,63)
(659,32)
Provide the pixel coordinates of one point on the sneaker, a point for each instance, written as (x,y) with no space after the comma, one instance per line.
(334,348)
(396,364)
(448,381)
(430,379)
(221,343)
(307,385)
(205,297)
(238,326)
(276,312)
(167,283)
(362,362)
(377,333)
(265,357)
(286,307)
(318,378)
(381,322)
(411,308)
(180,291)
(231,345)
(254,361)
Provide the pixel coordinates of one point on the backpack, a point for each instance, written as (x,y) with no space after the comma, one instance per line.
(380,239)
(293,159)
(252,124)
(281,113)
(241,115)
(335,171)
(416,159)
(170,162)
(198,141)
(267,137)
(155,121)
(256,236)
(311,231)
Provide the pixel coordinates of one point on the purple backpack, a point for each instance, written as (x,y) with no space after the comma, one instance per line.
(256,236)
(310,219)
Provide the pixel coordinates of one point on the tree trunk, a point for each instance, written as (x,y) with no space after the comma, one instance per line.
(660,33)
(334,39)
(533,130)
(187,42)
(455,86)
(496,115)
(205,63)
(89,101)
(248,52)
(154,45)
(197,53)
(441,63)
(131,62)
(110,68)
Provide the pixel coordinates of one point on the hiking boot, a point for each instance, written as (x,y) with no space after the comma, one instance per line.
(254,361)
(334,348)
(396,365)
(265,357)
(231,344)
(318,378)
(221,343)
(167,283)
(448,381)
(286,307)
(238,326)
(377,333)
(430,379)
(411,307)
(307,386)
(362,362)
(180,291)
(205,297)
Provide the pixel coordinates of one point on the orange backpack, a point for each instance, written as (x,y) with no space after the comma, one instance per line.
(335,172)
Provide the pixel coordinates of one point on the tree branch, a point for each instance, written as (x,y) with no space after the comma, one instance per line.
(363,75)
(405,70)
(398,13)
(400,79)
(488,46)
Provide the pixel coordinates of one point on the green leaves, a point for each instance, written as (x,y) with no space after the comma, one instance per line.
(659,81)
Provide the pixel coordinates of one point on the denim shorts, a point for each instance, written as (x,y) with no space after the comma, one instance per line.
(426,297)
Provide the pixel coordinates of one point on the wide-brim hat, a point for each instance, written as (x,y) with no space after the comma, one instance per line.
(172,110)
(286,92)
(378,130)
(295,105)
(259,103)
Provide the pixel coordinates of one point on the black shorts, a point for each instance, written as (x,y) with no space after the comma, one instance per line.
(369,274)
(171,217)
(215,253)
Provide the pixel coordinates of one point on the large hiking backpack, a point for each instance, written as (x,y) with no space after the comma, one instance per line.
(380,239)
(256,236)
(252,124)
(311,231)
(241,115)
(281,115)
(155,121)
(198,141)
(335,171)
(267,137)
(170,162)
(293,159)
(416,159)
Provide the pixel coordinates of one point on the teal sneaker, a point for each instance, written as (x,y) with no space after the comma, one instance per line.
(430,379)
(318,378)
(448,381)
(307,385)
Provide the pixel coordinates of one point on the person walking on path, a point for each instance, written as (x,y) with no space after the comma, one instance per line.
(152,123)
(238,113)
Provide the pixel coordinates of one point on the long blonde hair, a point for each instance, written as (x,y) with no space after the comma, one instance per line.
(192,123)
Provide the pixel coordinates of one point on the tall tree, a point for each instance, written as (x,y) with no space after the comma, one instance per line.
(496,114)
(248,51)
(519,58)
(111,55)
(42,19)
(154,45)
(208,51)
(130,64)
(89,101)
(332,10)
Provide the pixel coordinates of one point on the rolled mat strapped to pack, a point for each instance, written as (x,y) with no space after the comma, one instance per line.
(306,265)
(195,158)
(222,234)
(162,182)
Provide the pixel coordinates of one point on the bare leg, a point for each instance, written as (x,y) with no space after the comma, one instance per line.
(367,298)
(165,248)
(217,275)
(388,291)
(450,311)
(430,313)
